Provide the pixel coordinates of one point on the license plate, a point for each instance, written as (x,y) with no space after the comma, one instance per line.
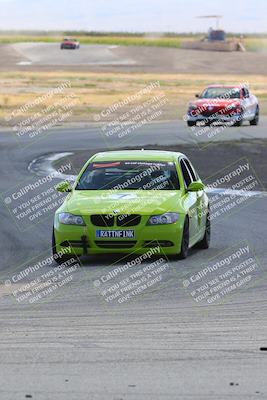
(116,234)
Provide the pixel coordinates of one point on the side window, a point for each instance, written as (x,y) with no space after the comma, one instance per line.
(243,92)
(186,173)
(191,170)
(246,92)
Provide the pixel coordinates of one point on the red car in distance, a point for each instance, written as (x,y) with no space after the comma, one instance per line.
(69,43)
(224,103)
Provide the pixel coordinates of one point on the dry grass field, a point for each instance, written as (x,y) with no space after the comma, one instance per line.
(93,92)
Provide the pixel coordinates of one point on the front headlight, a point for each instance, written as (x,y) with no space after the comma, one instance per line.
(232,106)
(192,107)
(235,107)
(70,219)
(163,219)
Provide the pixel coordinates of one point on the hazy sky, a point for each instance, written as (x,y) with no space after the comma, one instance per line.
(133,15)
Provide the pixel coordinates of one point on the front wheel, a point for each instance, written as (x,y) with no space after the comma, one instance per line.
(185,240)
(239,121)
(191,123)
(255,120)
(205,242)
(59,258)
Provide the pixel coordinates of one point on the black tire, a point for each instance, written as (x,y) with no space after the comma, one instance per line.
(59,259)
(191,123)
(239,122)
(185,240)
(255,120)
(205,242)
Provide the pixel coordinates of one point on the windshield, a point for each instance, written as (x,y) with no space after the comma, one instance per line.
(220,92)
(129,175)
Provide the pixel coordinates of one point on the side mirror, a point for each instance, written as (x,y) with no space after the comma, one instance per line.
(197,95)
(195,186)
(64,187)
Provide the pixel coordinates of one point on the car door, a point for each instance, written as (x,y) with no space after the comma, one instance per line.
(245,103)
(200,196)
(190,202)
(249,104)
(252,104)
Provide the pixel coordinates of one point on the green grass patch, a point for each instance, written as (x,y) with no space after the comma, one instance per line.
(255,44)
(107,40)
(173,40)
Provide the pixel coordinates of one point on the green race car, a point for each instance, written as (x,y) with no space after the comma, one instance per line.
(129,201)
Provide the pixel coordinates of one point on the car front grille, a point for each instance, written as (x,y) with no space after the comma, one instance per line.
(102,220)
(207,113)
(121,220)
(128,220)
(214,112)
(156,243)
(115,244)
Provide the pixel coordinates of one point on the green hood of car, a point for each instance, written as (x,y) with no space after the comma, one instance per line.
(144,202)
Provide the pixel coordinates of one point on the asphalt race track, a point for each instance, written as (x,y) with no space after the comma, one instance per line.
(50,54)
(49,57)
(163,344)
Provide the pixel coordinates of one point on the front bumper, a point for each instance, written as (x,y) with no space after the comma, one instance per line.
(69,46)
(82,240)
(215,118)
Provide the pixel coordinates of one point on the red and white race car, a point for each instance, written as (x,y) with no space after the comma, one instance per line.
(221,103)
(69,43)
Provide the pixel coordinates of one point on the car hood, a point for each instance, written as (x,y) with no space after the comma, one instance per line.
(215,102)
(144,202)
